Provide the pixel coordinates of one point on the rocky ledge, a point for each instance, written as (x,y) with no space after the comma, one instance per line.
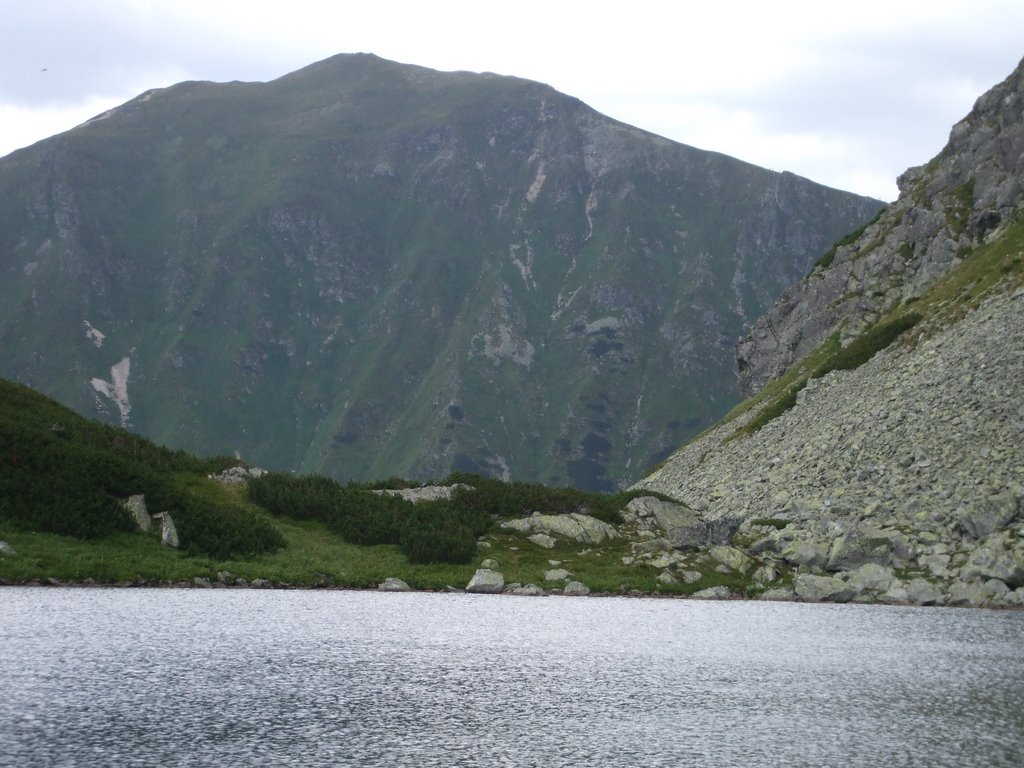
(900,481)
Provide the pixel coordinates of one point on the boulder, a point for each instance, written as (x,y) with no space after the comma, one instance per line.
(489,563)
(990,515)
(486,581)
(858,546)
(990,562)
(870,577)
(542,540)
(683,527)
(576,526)
(576,589)
(531,590)
(6,549)
(923,592)
(765,574)
(168,533)
(974,594)
(808,554)
(392,584)
(732,557)
(426,492)
(666,577)
(720,592)
(136,506)
(777,594)
(814,589)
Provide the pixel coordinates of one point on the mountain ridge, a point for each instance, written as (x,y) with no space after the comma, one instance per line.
(357,276)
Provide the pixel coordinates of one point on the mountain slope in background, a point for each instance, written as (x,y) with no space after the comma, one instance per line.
(901,479)
(365,269)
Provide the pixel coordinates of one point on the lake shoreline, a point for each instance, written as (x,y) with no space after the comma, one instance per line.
(53,583)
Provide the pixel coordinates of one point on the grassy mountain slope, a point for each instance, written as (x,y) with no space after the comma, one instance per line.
(366,269)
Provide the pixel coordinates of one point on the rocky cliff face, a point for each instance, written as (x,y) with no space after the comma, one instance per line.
(945,208)
(902,479)
(367,269)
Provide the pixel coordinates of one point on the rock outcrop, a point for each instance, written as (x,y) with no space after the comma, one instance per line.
(945,208)
(901,480)
(577,527)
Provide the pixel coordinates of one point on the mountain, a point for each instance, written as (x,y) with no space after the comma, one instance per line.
(367,269)
(881,456)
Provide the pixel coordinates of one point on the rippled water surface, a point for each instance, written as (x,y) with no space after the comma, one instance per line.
(110,677)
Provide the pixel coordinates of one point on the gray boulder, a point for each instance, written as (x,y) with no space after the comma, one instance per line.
(486,581)
(392,584)
(426,492)
(720,592)
(923,592)
(136,506)
(576,526)
(731,557)
(542,540)
(6,549)
(168,533)
(814,589)
(808,554)
(990,515)
(870,577)
(858,546)
(990,562)
(576,589)
(531,590)
(683,527)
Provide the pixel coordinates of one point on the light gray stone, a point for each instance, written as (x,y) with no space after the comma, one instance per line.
(543,540)
(808,554)
(576,526)
(720,592)
(489,563)
(812,588)
(923,592)
(486,581)
(136,505)
(991,563)
(426,492)
(168,532)
(393,584)
(870,577)
(6,549)
(731,557)
(858,546)
(989,515)
(530,590)
(576,588)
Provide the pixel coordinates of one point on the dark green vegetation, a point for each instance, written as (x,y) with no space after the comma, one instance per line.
(63,477)
(366,269)
(63,474)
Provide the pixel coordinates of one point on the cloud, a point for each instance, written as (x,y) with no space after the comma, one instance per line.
(849,95)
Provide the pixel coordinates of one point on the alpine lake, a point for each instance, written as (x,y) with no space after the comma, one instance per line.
(235,677)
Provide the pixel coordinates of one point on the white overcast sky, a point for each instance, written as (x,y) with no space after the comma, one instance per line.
(848,94)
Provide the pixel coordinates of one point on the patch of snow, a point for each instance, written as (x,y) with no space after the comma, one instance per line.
(117,388)
(95,336)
